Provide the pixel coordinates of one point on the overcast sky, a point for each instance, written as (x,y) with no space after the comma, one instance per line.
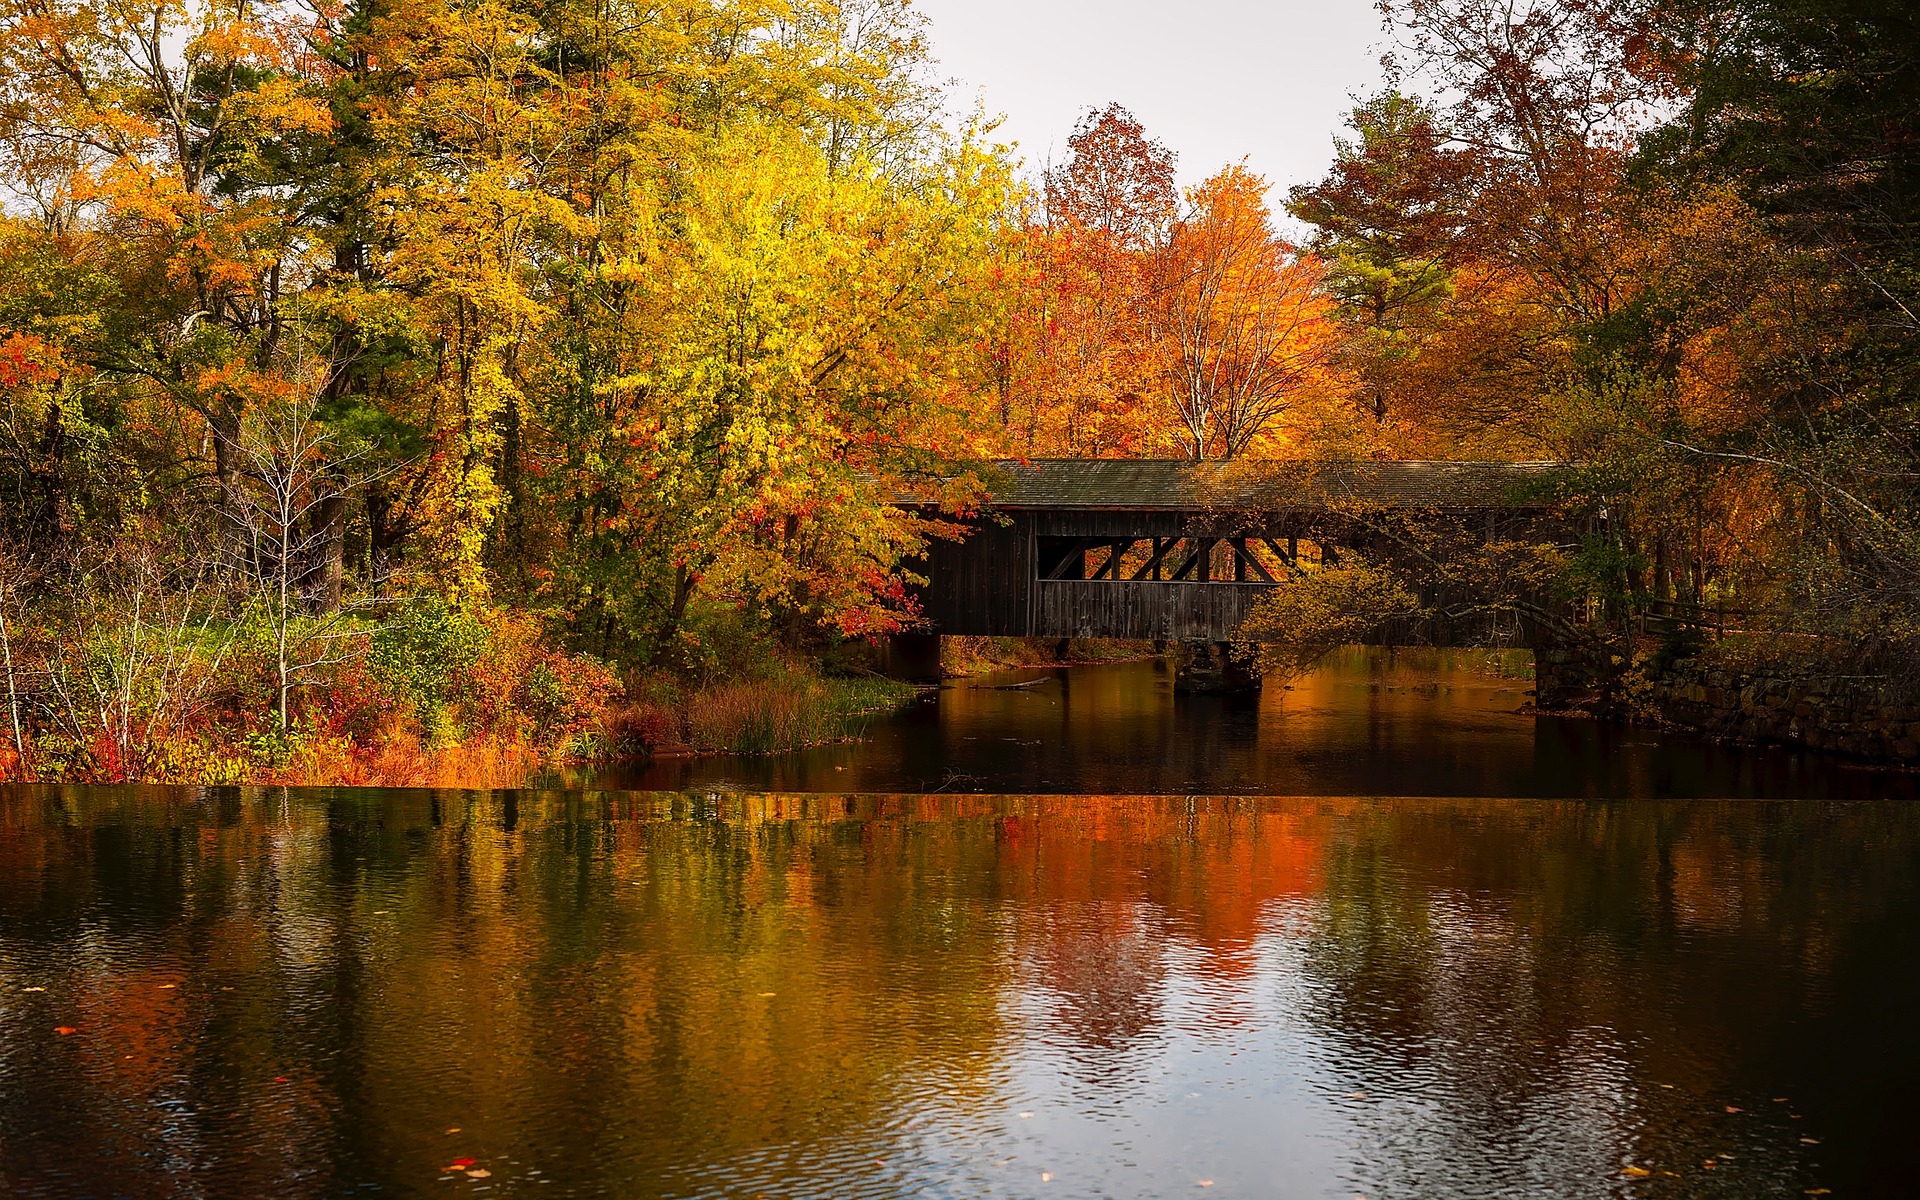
(1216,80)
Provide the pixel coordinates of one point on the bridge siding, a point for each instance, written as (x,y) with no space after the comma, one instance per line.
(1115,523)
(982,586)
(1169,611)
(988,585)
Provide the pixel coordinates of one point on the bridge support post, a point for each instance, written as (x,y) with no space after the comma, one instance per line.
(1210,668)
(1581,675)
(914,657)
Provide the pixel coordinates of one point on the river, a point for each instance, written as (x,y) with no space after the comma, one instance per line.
(1368,724)
(1471,953)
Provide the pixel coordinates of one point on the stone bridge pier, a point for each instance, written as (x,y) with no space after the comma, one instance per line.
(1209,668)
(1585,674)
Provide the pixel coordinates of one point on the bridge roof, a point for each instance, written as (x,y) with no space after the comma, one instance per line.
(1136,484)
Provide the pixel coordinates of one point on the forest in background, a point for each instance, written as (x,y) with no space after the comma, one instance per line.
(409,389)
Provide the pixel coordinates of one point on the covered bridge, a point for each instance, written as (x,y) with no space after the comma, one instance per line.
(1176,550)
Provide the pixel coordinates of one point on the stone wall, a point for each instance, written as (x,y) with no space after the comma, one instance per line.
(1586,675)
(1830,714)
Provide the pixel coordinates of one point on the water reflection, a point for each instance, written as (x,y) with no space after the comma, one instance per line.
(323,994)
(1368,723)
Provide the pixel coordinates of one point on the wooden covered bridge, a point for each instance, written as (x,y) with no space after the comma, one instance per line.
(1175,550)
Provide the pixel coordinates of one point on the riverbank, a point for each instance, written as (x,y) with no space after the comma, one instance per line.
(427,695)
(1365,722)
(1782,704)
(961,657)
(1741,690)
(789,712)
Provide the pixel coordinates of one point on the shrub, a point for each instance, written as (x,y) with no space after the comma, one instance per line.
(1292,628)
(567,696)
(423,654)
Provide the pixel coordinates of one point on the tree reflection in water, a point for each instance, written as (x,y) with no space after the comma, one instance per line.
(1367,723)
(642,994)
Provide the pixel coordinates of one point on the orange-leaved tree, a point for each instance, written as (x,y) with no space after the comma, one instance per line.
(1241,329)
(1073,371)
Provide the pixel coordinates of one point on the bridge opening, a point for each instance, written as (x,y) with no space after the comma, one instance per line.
(1146,558)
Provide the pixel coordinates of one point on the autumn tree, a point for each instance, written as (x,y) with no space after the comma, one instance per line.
(621,314)
(1239,323)
(1386,220)
(1802,113)
(1637,236)
(1115,181)
(148,137)
(813,362)
(1070,365)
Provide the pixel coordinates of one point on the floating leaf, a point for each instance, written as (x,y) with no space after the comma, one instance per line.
(280,1079)
(1732,1108)
(64,1030)
(1819,1191)
(1025,1115)
(1205,1182)
(479,1173)
(1635,1172)
(1046,1177)
(455,1129)
(33,989)
(1809,1141)
(458,1164)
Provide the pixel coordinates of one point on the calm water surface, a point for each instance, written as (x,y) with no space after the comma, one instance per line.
(242,993)
(1367,725)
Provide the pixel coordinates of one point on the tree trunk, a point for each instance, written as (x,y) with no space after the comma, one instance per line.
(225,423)
(513,518)
(676,613)
(46,520)
(321,581)
(383,536)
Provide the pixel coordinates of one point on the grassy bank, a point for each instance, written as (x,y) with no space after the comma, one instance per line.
(425,695)
(978,655)
(765,716)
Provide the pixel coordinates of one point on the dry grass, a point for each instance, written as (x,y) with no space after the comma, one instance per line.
(12,768)
(785,713)
(399,759)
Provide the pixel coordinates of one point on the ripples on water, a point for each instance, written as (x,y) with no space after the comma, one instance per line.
(347,994)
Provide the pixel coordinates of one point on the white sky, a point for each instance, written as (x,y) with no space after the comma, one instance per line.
(1215,80)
